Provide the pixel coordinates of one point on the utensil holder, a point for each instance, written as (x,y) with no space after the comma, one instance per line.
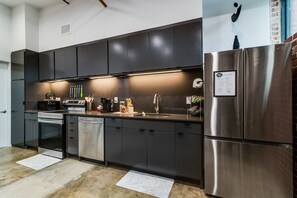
(89,106)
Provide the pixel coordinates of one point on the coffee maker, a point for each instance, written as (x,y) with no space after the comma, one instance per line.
(107,104)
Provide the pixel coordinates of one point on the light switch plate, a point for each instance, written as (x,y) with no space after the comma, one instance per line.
(189,100)
(116,99)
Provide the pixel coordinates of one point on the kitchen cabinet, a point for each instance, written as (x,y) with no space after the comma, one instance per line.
(118,55)
(134,147)
(113,138)
(188,158)
(31,129)
(187,39)
(138,52)
(72,135)
(164,147)
(46,66)
(92,59)
(161,49)
(65,63)
(161,151)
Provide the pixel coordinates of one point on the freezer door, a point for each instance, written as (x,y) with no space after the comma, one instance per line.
(223,115)
(234,169)
(268,94)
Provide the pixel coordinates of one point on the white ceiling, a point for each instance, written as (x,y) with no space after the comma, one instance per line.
(36,3)
(213,8)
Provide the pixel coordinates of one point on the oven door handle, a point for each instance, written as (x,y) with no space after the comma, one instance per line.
(49,121)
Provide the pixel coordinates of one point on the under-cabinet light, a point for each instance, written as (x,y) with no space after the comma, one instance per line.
(152,73)
(100,77)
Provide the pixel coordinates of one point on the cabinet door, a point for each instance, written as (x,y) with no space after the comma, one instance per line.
(65,63)
(113,137)
(134,147)
(161,49)
(118,61)
(17,65)
(138,50)
(161,151)
(92,59)
(28,132)
(187,39)
(35,133)
(46,66)
(188,155)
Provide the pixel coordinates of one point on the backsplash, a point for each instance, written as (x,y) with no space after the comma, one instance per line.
(173,88)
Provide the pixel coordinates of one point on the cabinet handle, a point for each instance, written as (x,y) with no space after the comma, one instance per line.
(180,133)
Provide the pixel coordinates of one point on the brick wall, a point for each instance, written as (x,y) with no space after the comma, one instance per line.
(293,40)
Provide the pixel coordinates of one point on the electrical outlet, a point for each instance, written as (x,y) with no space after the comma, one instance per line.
(116,99)
(189,100)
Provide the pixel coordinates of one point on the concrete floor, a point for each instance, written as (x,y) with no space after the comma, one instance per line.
(69,178)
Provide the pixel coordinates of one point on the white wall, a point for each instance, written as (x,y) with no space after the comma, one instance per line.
(5,33)
(254,26)
(18,28)
(32,28)
(90,21)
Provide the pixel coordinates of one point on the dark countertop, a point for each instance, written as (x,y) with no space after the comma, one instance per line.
(166,117)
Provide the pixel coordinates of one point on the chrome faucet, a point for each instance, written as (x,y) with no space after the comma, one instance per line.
(157,102)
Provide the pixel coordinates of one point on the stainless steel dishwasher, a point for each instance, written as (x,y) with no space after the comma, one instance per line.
(91,138)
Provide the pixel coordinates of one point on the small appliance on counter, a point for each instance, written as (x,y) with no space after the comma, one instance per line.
(107,105)
(48,105)
(74,105)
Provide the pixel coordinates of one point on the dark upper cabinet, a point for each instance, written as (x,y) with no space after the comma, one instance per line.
(138,52)
(118,55)
(46,66)
(161,49)
(161,152)
(187,48)
(92,59)
(17,65)
(65,63)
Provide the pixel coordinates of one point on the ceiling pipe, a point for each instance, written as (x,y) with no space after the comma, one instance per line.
(103,3)
(66,2)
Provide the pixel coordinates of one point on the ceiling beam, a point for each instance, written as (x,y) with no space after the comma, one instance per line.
(103,3)
(66,2)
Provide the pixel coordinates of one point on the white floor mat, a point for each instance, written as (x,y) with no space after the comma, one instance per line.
(38,162)
(146,183)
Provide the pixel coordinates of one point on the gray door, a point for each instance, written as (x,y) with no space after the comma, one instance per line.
(223,115)
(17,113)
(234,169)
(268,94)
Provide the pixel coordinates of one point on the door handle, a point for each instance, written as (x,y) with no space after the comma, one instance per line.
(3,111)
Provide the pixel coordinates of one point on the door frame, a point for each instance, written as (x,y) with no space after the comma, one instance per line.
(8,132)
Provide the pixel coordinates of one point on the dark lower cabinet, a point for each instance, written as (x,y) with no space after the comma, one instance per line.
(161,152)
(169,148)
(134,147)
(72,135)
(31,129)
(113,138)
(188,155)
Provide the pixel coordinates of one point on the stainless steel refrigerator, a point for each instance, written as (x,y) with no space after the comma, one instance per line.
(248,123)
